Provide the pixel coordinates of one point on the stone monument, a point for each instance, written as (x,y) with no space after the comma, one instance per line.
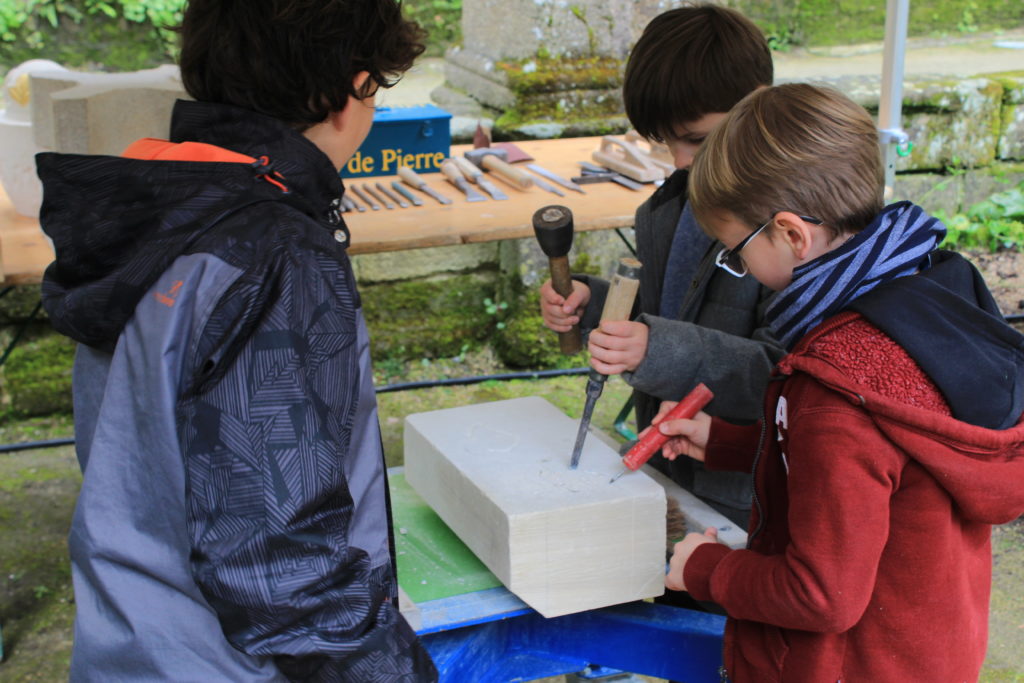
(544,68)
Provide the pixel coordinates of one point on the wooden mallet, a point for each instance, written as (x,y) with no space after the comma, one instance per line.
(554,228)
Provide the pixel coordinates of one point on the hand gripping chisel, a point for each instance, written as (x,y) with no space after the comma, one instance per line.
(617,306)
(653,440)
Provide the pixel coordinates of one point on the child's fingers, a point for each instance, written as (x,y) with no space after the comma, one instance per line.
(663,410)
(578,299)
(607,368)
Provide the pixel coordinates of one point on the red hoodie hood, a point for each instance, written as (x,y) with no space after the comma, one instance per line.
(981,469)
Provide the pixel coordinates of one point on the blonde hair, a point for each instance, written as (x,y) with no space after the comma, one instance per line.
(794,147)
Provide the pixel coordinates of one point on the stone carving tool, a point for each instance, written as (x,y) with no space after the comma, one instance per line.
(554,177)
(392,196)
(617,306)
(410,178)
(625,158)
(400,189)
(599,174)
(451,171)
(653,440)
(495,160)
(366,200)
(369,191)
(350,204)
(475,175)
(545,185)
(554,229)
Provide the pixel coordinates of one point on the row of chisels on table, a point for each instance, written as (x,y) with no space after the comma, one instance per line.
(473,183)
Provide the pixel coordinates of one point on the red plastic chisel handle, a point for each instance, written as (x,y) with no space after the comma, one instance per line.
(652,442)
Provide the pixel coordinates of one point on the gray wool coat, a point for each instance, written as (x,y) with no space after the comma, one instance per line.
(719,338)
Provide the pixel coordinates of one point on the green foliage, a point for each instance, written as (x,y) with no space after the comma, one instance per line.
(442,19)
(993,224)
(136,34)
(116,34)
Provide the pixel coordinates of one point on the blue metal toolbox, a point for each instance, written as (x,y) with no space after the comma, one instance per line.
(418,137)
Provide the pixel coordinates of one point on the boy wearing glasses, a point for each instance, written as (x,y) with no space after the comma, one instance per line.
(696,323)
(893,438)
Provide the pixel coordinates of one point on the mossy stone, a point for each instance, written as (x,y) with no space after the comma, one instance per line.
(429,318)
(36,379)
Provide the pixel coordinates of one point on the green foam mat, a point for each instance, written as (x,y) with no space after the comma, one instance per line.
(432,562)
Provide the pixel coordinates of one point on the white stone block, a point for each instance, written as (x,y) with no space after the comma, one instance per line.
(103,113)
(562,540)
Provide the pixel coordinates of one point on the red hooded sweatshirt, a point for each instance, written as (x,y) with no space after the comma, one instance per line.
(869,556)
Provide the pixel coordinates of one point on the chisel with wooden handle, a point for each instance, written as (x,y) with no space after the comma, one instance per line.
(618,305)
(410,178)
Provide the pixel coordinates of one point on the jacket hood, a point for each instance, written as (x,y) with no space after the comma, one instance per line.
(117,223)
(948,323)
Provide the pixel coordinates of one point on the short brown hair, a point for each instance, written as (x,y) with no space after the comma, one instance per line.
(793,147)
(294,60)
(689,62)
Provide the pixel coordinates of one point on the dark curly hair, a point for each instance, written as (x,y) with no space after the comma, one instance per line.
(294,60)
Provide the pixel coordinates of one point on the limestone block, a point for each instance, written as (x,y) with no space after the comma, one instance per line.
(17,163)
(104,113)
(562,540)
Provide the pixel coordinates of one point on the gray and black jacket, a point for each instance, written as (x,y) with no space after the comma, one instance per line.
(718,338)
(233,523)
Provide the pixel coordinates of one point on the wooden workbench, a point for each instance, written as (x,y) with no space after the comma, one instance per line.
(25,252)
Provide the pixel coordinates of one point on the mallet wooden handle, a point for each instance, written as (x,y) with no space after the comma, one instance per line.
(519,178)
(561,281)
(553,226)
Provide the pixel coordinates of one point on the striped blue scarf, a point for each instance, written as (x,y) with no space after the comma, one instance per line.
(897,243)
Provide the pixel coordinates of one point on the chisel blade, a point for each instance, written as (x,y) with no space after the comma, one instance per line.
(400,189)
(490,188)
(471,194)
(554,177)
(595,385)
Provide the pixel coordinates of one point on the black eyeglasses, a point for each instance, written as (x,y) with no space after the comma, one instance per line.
(730,261)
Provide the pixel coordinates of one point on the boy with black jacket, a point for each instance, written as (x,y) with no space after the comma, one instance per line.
(892,438)
(233,523)
(689,68)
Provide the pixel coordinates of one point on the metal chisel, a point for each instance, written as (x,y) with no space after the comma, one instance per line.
(545,185)
(366,200)
(618,305)
(475,175)
(369,191)
(554,177)
(392,196)
(410,178)
(400,189)
(451,171)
